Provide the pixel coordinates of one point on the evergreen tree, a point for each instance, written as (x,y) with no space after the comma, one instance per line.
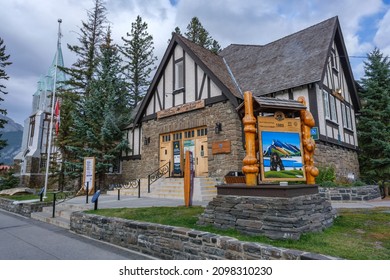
(3,76)
(139,60)
(87,51)
(99,129)
(77,88)
(8,179)
(373,122)
(199,35)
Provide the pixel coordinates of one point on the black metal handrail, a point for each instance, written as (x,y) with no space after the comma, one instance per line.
(132,184)
(155,175)
(60,197)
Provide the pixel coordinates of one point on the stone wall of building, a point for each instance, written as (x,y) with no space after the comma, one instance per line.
(177,243)
(33,179)
(344,160)
(218,164)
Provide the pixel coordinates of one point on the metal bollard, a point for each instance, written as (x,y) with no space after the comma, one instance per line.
(119,194)
(95,199)
(86,198)
(54,205)
(96,204)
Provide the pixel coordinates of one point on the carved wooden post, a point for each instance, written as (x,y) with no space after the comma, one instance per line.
(307,122)
(250,168)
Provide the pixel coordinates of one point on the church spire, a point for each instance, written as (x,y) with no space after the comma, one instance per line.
(58,58)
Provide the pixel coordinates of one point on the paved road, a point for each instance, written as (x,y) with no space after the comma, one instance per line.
(27,239)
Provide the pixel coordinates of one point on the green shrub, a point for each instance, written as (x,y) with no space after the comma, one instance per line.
(359,183)
(8,180)
(329,184)
(326,174)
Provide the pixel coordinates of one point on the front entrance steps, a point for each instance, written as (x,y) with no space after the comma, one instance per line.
(204,189)
(61,215)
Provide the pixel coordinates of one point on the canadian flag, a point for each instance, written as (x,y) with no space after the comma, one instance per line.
(57,114)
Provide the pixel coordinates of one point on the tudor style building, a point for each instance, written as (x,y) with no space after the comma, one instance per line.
(191,103)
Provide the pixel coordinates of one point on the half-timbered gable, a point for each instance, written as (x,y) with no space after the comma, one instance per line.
(338,106)
(176,114)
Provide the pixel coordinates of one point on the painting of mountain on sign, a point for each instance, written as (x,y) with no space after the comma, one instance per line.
(282,155)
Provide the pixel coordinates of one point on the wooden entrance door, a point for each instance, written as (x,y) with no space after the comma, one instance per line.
(166,155)
(201,157)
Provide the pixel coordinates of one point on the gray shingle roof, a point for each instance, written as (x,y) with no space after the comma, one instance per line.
(294,60)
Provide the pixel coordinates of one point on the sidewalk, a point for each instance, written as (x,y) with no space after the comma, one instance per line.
(362,204)
(111,201)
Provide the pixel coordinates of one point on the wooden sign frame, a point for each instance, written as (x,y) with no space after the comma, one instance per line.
(281,149)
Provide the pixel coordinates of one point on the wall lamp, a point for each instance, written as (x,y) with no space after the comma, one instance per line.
(146,141)
(218,128)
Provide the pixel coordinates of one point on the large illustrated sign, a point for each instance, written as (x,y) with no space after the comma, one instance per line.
(281,152)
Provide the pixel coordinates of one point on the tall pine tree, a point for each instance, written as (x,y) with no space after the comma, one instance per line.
(3,76)
(91,36)
(77,89)
(104,114)
(373,122)
(199,35)
(139,60)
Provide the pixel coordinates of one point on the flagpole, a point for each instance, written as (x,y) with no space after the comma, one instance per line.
(52,110)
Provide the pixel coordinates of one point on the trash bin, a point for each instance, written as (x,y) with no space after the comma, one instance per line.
(235,177)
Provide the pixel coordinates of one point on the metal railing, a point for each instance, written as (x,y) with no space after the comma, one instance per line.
(132,184)
(60,197)
(155,175)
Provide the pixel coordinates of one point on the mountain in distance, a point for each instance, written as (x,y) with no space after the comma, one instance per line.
(13,133)
(283,149)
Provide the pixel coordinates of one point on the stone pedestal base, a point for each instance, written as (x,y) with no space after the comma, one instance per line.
(274,217)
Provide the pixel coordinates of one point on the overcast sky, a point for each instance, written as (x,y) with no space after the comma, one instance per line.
(29,30)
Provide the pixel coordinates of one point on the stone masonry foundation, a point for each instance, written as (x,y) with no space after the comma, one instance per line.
(274,217)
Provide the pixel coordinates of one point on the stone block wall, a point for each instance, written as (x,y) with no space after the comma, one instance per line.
(176,243)
(24,209)
(218,164)
(362,193)
(344,160)
(274,217)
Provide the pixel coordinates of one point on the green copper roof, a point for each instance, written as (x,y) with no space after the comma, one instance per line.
(46,83)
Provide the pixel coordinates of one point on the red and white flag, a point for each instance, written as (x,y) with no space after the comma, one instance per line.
(57,114)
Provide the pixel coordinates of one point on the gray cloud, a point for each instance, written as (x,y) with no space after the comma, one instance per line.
(29,29)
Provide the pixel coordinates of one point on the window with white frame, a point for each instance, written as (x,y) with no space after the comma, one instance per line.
(329,106)
(325,98)
(347,116)
(179,74)
(333,113)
